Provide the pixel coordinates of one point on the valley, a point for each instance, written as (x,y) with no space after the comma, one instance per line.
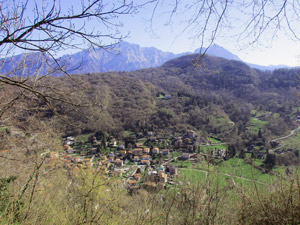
(98,130)
(213,131)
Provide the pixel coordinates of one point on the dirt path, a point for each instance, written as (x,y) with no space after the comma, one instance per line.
(287,136)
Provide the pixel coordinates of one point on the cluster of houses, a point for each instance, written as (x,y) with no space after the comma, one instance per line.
(154,178)
(139,154)
(70,159)
(116,162)
(142,154)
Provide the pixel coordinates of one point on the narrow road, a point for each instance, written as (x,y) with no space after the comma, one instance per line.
(214,144)
(281,146)
(222,143)
(287,136)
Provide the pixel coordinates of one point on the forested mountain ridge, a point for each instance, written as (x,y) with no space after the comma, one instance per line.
(217,73)
(205,95)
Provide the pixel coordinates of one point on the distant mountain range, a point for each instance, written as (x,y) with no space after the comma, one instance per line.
(125,57)
(218,51)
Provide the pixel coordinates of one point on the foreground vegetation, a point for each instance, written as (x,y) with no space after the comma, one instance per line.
(54,195)
(36,189)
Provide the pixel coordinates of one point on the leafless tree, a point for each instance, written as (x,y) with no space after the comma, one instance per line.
(41,30)
(247,21)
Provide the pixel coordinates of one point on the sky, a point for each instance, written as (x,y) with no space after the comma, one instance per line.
(178,34)
(269,50)
(282,51)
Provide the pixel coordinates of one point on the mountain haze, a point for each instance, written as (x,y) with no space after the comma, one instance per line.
(218,51)
(124,57)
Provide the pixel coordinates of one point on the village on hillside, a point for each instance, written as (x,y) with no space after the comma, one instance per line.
(142,160)
(154,160)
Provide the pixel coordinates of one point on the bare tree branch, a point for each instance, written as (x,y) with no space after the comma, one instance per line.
(47,28)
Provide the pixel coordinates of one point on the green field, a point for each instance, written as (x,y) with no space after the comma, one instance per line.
(256,124)
(161,96)
(175,154)
(233,169)
(191,175)
(237,167)
(210,148)
(128,133)
(256,113)
(214,141)
(293,141)
(185,164)
(83,138)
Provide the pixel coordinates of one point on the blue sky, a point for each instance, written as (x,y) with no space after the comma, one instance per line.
(173,36)
(269,50)
(280,51)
